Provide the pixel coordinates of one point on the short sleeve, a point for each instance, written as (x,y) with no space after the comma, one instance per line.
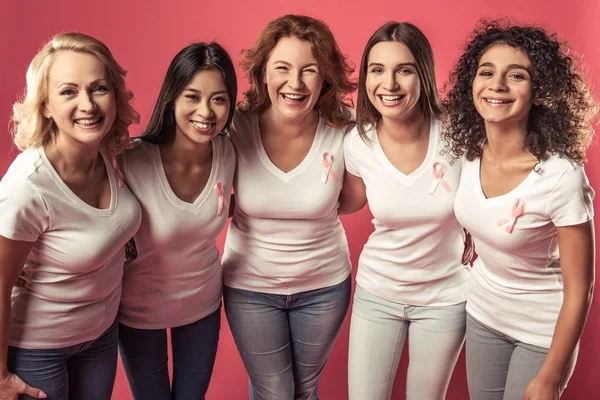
(23,213)
(570,201)
(349,156)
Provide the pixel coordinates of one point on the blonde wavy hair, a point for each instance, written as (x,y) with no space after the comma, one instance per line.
(31,128)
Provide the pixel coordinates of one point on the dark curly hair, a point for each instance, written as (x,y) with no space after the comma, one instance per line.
(559,121)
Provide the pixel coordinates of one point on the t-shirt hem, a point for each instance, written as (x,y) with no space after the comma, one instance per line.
(136,324)
(452,300)
(520,337)
(336,280)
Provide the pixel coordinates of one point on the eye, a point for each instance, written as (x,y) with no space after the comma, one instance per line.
(485,73)
(220,99)
(377,70)
(67,92)
(281,68)
(191,96)
(517,76)
(100,89)
(311,70)
(405,71)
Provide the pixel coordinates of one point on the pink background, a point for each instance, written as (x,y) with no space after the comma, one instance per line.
(144,35)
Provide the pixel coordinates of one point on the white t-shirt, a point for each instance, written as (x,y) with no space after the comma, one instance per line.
(285,236)
(176,278)
(414,255)
(516,283)
(69,290)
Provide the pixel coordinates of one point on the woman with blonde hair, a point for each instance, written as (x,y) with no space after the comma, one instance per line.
(286,264)
(65,216)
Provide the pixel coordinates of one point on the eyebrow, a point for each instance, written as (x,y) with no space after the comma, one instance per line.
(510,66)
(191,89)
(409,64)
(314,64)
(91,83)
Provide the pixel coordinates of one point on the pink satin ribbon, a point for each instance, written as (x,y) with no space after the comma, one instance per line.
(438,174)
(327,162)
(517,210)
(120,177)
(222,202)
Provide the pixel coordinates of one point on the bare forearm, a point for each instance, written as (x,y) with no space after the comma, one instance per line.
(567,332)
(5,320)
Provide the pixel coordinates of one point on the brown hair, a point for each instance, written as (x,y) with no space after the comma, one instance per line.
(562,121)
(366,114)
(334,66)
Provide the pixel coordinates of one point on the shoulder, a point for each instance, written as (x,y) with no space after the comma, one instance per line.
(140,153)
(224,146)
(558,168)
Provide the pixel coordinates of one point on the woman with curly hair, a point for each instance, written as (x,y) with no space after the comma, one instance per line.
(412,277)
(187,162)
(65,216)
(286,264)
(520,115)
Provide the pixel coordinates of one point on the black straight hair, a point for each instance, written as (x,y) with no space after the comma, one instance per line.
(190,60)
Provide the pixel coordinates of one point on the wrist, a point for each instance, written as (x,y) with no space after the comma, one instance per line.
(550,377)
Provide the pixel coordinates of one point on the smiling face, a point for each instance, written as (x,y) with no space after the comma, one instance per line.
(502,91)
(392,82)
(293,78)
(202,108)
(80,99)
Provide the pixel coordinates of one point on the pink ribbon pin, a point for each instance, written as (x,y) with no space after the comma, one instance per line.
(438,174)
(327,162)
(222,201)
(120,177)
(517,210)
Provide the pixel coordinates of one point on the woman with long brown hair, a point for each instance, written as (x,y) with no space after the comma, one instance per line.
(286,264)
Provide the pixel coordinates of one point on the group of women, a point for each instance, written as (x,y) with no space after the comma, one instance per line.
(107,242)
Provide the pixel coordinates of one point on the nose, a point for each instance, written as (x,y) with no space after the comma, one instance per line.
(295,82)
(86,102)
(390,84)
(204,110)
(498,83)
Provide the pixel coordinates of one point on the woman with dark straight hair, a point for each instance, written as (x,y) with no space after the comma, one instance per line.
(181,171)
(411,280)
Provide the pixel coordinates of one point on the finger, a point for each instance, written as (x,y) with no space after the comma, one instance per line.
(33,392)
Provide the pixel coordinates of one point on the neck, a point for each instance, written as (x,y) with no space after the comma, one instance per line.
(405,131)
(71,157)
(505,142)
(290,128)
(186,152)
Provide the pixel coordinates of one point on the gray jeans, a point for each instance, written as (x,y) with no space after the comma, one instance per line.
(378,330)
(500,367)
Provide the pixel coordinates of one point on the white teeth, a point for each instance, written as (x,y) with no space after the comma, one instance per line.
(293,96)
(494,101)
(390,98)
(87,121)
(200,125)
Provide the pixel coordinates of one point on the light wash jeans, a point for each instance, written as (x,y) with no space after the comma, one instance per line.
(83,371)
(500,367)
(378,331)
(284,340)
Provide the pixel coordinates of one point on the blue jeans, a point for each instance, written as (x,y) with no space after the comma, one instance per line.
(144,356)
(83,371)
(284,340)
